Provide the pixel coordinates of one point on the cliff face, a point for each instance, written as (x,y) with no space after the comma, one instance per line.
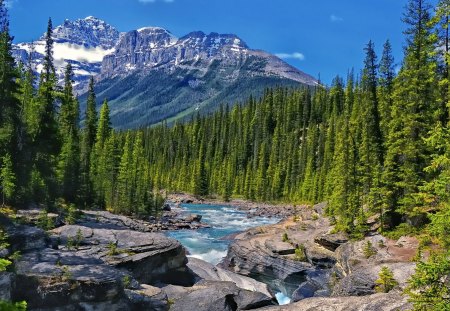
(149,75)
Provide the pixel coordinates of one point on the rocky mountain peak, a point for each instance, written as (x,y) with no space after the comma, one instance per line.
(88,32)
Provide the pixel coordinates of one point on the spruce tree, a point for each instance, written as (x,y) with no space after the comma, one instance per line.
(69,158)
(98,169)
(414,103)
(46,142)
(87,142)
(386,86)
(10,118)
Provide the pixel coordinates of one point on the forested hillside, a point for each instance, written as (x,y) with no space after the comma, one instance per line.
(373,145)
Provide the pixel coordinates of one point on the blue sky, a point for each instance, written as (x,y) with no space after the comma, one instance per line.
(323,37)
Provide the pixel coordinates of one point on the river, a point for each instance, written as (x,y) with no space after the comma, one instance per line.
(211,244)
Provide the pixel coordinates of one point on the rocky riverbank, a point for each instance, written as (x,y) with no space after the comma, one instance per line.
(252,209)
(320,269)
(109,262)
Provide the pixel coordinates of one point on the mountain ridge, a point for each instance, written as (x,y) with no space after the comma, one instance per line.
(150,75)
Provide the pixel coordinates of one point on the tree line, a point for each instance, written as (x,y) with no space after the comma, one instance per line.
(375,144)
(47,158)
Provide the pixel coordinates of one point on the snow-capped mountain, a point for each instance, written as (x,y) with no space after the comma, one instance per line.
(149,74)
(83,42)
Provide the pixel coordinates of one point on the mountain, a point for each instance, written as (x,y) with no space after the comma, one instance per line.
(149,75)
(83,43)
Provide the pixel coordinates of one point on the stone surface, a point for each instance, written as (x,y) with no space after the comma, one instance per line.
(48,278)
(331,241)
(6,284)
(170,220)
(147,298)
(24,238)
(206,271)
(220,296)
(149,257)
(393,301)
(360,273)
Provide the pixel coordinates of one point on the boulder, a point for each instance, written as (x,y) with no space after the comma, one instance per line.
(25,238)
(206,271)
(149,257)
(147,298)
(166,207)
(194,218)
(331,241)
(220,296)
(306,290)
(51,279)
(31,217)
(280,247)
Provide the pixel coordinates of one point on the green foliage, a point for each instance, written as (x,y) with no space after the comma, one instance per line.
(66,274)
(285,237)
(13,306)
(386,281)
(8,178)
(45,222)
(300,254)
(403,229)
(4,264)
(428,288)
(369,250)
(112,249)
(72,214)
(126,281)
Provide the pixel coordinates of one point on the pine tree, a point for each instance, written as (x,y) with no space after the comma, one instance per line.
(46,143)
(386,281)
(125,179)
(8,179)
(87,143)
(386,86)
(98,169)
(69,159)
(10,119)
(414,102)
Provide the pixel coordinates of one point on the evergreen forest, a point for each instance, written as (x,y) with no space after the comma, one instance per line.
(375,144)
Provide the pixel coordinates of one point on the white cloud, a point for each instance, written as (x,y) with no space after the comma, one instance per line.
(295,55)
(335,18)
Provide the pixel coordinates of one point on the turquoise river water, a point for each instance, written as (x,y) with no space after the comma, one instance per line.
(211,244)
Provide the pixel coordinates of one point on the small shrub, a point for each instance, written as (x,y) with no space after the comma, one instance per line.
(72,214)
(4,264)
(170,302)
(78,238)
(401,230)
(13,306)
(285,237)
(112,249)
(369,250)
(300,254)
(315,216)
(66,274)
(381,244)
(386,281)
(70,243)
(44,222)
(126,281)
